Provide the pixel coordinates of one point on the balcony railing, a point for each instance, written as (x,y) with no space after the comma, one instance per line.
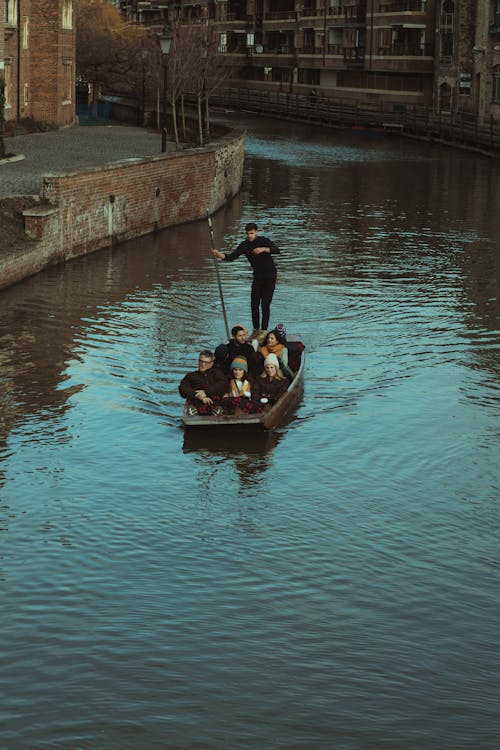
(280,49)
(331,49)
(335,10)
(495,27)
(402,6)
(237,17)
(283,15)
(354,54)
(406,50)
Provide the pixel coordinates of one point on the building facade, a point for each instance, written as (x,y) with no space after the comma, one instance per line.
(442,54)
(37,59)
(467,60)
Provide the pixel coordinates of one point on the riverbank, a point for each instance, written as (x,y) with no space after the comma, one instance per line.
(457,130)
(84,188)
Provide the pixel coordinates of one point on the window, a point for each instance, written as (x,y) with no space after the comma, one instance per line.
(68,81)
(10,16)
(8,85)
(496,84)
(446,29)
(26,22)
(223,42)
(464,84)
(26,97)
(67,14)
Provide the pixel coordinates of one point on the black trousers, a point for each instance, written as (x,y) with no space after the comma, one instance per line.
(262,295)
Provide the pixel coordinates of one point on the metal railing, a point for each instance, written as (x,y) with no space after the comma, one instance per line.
(406,50)
(460,128)
(402,6)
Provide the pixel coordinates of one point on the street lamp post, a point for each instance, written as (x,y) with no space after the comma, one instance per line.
(165,40)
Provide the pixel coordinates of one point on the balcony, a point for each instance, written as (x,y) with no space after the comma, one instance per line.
(335,10)
(282,15)
(331,49)
(355,16)
(237,17)
(406,50)
(403,6)
(354,56)
(495,27)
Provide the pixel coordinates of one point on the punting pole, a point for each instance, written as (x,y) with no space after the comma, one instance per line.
(209,218)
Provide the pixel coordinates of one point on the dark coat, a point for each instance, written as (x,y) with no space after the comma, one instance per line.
(213,381)
(254,359)
(271,389)
(262,264)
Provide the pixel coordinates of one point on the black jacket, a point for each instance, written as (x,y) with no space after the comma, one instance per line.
(271,389)
(213,382)
(262,264)
(254,359)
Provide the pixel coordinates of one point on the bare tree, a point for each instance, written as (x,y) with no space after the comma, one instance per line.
(203,69)
(217,72)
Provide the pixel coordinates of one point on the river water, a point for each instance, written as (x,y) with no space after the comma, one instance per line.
(334,584)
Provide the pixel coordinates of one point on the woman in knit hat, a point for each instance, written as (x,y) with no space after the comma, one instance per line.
(238,384)
(272,383)
(239,390)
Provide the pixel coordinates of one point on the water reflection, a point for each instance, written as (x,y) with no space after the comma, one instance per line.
(262,577)
(249,451)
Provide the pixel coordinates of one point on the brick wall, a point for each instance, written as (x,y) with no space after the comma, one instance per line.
(43,64)
(52,58)
(88,209)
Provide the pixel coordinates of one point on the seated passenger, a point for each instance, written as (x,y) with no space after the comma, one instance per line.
(240,390)
(205,387)
(272,383)
(238,346)
(274,344)
(238,385)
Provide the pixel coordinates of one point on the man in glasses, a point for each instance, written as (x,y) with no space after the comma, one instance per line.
(205,387)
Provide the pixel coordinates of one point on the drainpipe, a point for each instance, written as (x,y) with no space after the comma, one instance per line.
(371,36)
(19,46)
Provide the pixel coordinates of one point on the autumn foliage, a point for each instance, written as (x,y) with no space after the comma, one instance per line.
(116,55)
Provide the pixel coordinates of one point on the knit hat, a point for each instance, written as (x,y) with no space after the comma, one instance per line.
(272,359)
(280,330)
(239,362)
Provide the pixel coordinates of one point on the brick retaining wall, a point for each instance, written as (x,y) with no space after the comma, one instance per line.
(87,209)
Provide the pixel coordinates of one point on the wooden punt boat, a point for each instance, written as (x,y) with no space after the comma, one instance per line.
(270,417)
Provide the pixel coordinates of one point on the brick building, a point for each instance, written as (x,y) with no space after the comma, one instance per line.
(443,54)
(468,58)
(37,59)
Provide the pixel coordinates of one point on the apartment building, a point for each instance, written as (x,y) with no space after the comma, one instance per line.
(37,59)
(442,54)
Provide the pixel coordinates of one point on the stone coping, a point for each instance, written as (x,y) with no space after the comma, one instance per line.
(10,159)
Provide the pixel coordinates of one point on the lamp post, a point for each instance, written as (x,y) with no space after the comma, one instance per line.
(142,113)
(165,40)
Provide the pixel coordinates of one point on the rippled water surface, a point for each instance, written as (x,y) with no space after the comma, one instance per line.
(334,584)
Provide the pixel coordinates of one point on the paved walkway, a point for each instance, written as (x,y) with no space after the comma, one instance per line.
(71,148)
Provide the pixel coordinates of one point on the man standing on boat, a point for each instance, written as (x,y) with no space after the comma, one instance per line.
(259,251)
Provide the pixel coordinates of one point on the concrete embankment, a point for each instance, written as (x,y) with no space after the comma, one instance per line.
(106,185)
